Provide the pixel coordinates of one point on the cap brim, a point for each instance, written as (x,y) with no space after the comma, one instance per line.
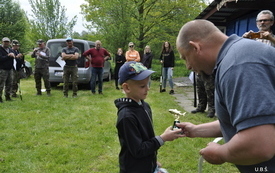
(143,75)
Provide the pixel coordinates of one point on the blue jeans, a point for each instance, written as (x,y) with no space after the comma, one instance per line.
(97,73)
(167,74)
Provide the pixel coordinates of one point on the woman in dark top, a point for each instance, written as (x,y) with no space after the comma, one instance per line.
(147,59)
(119,60)
(167,59)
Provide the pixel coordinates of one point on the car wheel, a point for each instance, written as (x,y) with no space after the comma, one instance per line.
(25,72)
(54,84)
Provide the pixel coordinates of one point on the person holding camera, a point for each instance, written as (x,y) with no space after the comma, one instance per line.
(264,21)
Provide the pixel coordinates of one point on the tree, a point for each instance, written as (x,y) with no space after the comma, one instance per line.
(110,20)
(49,20)
(13,21)
(141,21)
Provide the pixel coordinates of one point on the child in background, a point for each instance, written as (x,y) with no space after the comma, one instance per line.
(119,60)
(138,142)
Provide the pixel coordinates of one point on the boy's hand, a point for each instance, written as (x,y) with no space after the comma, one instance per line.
(170,135)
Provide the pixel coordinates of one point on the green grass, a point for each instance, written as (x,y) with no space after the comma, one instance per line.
(77,135)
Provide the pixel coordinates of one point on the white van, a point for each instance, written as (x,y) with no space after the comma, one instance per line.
(84,66)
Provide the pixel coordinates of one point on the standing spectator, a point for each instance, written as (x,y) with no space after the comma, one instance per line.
(244,95)
(119,60)
(132,54)
(137,138)
(19,57)
(147,59)
(70,54)
(41,55)
(264,21)
(6,65)
(167,60)
(97,56)
(206,89)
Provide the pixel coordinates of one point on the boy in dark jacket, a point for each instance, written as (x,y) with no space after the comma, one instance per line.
(138,142)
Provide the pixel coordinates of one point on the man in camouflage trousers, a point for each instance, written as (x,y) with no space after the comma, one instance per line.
(205,89)
(19,57)
(41,55)
(70,55)
(6,65)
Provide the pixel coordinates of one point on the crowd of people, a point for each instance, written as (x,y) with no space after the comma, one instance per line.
(11,55)
(243,83)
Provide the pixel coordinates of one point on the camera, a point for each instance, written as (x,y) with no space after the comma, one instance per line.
(254,35)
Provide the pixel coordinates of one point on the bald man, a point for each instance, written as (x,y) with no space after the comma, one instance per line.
(244,95)
(97,56)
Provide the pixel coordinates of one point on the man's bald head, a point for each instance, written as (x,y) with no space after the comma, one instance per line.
(98,44)
(194,31)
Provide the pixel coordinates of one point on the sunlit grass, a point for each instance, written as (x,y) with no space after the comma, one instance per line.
(44,134)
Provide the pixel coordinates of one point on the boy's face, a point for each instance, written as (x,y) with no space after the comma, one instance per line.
(136,90)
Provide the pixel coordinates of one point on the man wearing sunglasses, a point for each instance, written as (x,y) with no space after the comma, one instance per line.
(264,21)
(132,54)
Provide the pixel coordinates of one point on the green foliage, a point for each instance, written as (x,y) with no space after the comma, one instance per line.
(30,59)
(146,22)
(49,20)
(78,135)
(118,22)
(13,22)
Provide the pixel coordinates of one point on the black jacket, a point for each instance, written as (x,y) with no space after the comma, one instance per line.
(136,136)
(19,61)
(120,60)
(147,60)
(168,59)
(6,62)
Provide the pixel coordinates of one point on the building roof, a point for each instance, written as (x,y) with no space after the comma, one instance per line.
(222,11)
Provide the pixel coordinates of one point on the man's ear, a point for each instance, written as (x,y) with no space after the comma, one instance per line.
(195,46)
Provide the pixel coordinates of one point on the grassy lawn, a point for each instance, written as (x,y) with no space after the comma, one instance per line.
(77,135)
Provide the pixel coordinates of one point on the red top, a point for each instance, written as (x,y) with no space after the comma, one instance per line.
(97,56)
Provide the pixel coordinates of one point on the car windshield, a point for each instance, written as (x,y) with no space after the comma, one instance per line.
(56,50)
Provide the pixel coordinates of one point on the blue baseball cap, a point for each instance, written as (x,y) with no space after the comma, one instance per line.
(133,70)
(69,39)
